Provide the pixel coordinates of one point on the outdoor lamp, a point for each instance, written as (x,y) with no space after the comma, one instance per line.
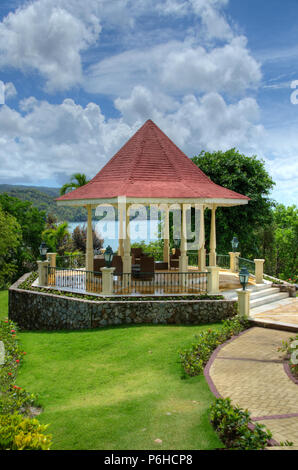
(243,277)
(108,256)
(43,249)
(235,244)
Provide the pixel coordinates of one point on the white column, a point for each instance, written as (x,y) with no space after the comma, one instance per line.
(183,260)
(202,250)
(213,280)
(233,261)
(52,259)
(212,254)
(107,281)
(166,235)
(126,245)
(259,270)
(120,234)
(89,241)
(243,302)
(42,273)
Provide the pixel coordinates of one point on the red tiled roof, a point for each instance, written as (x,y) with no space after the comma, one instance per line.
(150,165)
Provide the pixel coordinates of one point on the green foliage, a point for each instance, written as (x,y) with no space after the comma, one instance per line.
(12,397)
(286,240)
(290,348)
(58,238)
(79,239)
(247,176)
(44,199)
(76,181)
(233,426)
(10,241)
(31,223)
(154,248)
(195,358)
(19,433)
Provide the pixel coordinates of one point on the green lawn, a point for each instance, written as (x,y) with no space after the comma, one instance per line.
(117,388)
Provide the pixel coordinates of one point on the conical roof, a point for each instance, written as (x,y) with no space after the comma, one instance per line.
(150,165)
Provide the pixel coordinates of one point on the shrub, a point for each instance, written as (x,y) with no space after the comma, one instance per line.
(290,348)
(232,426)
(19,433)
(194,359)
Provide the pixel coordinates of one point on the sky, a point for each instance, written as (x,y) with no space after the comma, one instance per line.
(77,79)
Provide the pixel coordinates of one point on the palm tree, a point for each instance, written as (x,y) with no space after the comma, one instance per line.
(76,181)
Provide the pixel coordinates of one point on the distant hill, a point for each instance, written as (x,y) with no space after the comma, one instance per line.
(44,199)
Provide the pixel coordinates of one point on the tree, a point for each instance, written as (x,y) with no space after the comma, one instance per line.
(247,176)
(31,221)
(76,181)
(79,237)
(58,238)
(286,240)
(10,241)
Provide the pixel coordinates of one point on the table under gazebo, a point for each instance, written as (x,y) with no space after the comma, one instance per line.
(150,171)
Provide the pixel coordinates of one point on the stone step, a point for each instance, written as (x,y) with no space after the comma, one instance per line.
(268,299)
(255,294)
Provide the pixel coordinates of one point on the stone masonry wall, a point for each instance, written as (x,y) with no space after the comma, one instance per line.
(33,310)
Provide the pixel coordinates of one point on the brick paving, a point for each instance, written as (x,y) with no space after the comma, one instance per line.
(283,311)
(250,371)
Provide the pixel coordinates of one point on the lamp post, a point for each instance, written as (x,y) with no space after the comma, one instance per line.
(43,249)
(108,256)
(234,244)
(243,294)
(243,277)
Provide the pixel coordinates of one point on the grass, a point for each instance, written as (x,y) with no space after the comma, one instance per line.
(117,388)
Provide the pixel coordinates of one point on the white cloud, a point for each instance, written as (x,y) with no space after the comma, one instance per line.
(10,90)
(51,141)
(49,36)
(177,67)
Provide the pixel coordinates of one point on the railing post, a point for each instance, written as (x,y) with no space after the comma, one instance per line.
(233,261)
(52,259)
(213,280)
(243,302)
(42,273)
(107,280)
(259,270)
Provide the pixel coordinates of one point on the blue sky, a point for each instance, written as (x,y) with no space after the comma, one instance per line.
(81,77)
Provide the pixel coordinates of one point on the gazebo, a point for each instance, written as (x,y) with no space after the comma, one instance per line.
(151,170)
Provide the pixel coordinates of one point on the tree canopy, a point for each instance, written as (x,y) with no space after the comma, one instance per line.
(247,176)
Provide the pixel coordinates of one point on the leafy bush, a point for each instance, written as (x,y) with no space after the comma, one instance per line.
(290,348)
(16,430)
(232,425)
(194,359)
(19,433)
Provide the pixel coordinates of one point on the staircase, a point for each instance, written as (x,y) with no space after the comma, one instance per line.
(265,294)
(262,294)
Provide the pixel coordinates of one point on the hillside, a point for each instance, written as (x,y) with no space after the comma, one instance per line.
(44,199)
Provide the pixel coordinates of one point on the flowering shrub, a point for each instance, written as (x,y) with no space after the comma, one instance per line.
(290,348)
(293,279)
(19,433)
(195,358)
(16,431)
(232,425)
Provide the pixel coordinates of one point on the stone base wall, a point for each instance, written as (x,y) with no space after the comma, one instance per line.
(44,311)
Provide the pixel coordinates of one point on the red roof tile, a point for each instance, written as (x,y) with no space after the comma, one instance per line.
(150,165)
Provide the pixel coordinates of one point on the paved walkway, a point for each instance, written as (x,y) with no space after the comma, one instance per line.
(282,312)
(250,371)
